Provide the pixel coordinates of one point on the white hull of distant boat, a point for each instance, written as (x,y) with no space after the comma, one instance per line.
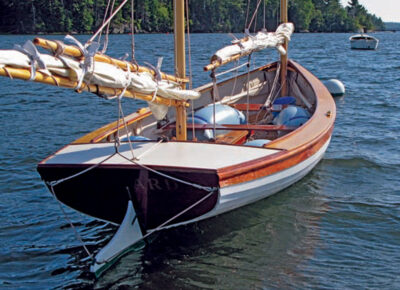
(363,41)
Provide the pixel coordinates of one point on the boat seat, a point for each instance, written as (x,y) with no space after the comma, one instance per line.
(233,137)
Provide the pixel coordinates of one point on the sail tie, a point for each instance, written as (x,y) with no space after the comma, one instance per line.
(157,75)
(60,49)
(126,83)
(88,51)
(35,58)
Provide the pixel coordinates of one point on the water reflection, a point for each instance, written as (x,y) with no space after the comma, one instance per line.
(266,244)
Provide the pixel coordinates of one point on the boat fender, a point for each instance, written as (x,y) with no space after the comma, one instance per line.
(224,114)
(257,142)
(292,116)
(281,103)
(135,138)
(201,135)
(335,87)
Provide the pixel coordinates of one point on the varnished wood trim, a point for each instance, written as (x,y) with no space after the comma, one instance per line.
(322,119)
(271,164)
(233,137)
(297,146)
(109,129)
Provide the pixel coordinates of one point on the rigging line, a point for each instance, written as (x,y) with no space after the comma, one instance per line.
(279,90)
(248,88)
(116,139)
(77,235)
(274,83)
(108,20)
(231,69)
(236,77)
(205,188)
(255,23)
(150,149)
(161,226)
(247,14)
(104,17)
(107,31)
(214,96)
(254,14)
(133,30)
(126,128)
(190,66)
(189,46)
(211,192)
(121,112)
(264,28)
(56,182)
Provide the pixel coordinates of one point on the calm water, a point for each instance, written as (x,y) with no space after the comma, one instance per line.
(337,228)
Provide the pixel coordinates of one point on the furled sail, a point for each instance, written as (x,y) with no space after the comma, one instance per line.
(252,43)
(88,71)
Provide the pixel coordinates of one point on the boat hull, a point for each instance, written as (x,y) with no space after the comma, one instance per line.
(364,44)
(245,193)
(241,174)
(103,192)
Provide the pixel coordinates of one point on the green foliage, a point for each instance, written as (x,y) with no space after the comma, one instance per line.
(301,12)
(85,16)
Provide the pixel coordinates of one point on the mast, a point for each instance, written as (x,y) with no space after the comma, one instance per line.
(284,58)
(180,64)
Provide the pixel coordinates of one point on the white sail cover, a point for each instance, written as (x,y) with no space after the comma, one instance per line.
(99,73)
(261,40)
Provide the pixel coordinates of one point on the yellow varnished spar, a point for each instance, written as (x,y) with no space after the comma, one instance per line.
(180,64)
(216,64)
(25,74)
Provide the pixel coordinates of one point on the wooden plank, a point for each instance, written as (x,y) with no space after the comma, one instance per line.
(250,107)
(233,137)
(107,130)
(235,127)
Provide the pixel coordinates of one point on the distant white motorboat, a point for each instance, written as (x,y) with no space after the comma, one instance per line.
(363,41)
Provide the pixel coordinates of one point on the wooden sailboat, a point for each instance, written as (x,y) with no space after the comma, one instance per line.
(240,144)
(364,42)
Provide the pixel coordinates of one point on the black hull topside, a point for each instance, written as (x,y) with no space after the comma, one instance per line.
(103,192)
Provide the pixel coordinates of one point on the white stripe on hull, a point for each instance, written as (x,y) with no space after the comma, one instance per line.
(238,195)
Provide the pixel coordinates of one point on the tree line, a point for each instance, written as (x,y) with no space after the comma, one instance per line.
(85,16)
